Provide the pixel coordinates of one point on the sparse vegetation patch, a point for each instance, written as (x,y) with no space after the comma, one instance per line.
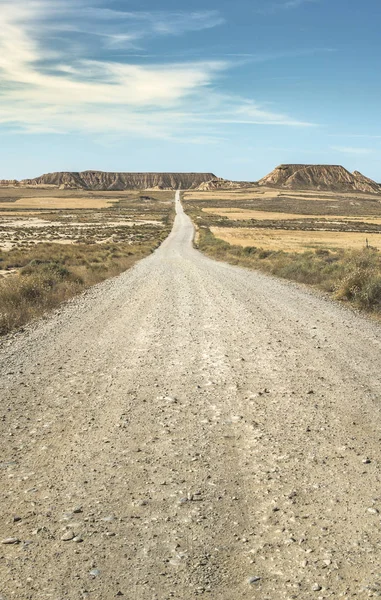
(337,254)
(48,256)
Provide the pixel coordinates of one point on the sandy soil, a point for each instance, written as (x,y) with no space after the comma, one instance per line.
(191,429)
(46,202)
(15,232)
(294,240)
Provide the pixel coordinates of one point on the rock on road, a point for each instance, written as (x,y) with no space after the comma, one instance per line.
(191,429)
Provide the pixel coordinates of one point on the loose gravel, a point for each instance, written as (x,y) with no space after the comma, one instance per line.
(191,429)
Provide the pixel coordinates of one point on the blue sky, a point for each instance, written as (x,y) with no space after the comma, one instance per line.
(233,87)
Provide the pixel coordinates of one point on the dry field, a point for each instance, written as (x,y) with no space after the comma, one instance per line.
(288,221)
(329,240)
(80,217)
(234,214)
(55,243)
(294,241)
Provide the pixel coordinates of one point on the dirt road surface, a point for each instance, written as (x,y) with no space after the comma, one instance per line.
(191,429)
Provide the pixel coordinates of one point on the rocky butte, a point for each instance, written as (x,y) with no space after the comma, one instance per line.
(319,177)
(99,180)
(332,178)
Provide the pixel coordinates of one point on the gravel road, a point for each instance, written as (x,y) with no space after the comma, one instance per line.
(191,429)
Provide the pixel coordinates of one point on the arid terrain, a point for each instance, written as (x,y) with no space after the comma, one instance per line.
(55,243)
(324,238)
(191,429)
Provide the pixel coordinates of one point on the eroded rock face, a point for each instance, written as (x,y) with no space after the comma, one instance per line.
(224,184)
(321,177)
(98,180)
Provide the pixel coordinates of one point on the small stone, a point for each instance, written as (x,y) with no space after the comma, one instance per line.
(316,587)
(94,572)
(77,510)
(68,536)
(366,461)
(254,579)
(373,511)
(16,519)
(10,540)
(78,539)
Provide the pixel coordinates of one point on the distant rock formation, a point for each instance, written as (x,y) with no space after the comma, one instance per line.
(224,184)
(98,180)
(319,177)
(295,177)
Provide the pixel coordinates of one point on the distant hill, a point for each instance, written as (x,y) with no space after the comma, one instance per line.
(295,177)
(99,180)
(319,177)
(224,184)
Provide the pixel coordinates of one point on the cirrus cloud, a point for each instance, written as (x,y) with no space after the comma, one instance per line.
(53,78)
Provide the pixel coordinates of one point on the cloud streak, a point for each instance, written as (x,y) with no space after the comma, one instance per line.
(63,86)
(274,7)
(352,150)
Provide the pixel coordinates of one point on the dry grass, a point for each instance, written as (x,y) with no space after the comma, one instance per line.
(86,245)
(246,214)
(52,202)
(260,192)
(312,238)
(349,275)
(51,273)
(294,241)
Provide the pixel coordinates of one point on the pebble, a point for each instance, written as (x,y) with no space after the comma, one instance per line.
(94,572)
(10,540)
(373,511)
(366,461)
(78,539)
(68,536)
(316,587)
(254,579)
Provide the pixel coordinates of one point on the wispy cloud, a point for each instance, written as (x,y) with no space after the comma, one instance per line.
(54,79)
(273,7)
(351,150)
(289,4)
(355,135)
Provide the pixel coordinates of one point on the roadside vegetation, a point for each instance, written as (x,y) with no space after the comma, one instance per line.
(349,274)
(39,276)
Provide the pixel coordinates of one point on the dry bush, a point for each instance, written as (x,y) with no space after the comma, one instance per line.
(52,273)
(354,276)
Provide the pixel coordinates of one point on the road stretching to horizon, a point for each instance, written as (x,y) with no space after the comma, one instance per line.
(191,429)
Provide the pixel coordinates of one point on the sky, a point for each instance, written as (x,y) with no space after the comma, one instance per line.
(229,87)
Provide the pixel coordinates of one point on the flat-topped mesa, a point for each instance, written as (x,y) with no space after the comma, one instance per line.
(319,177)
(99,180)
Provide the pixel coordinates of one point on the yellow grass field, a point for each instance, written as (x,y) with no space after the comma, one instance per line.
(62,203)
(235,214)
(238,195)
(257,193)
(295,241)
